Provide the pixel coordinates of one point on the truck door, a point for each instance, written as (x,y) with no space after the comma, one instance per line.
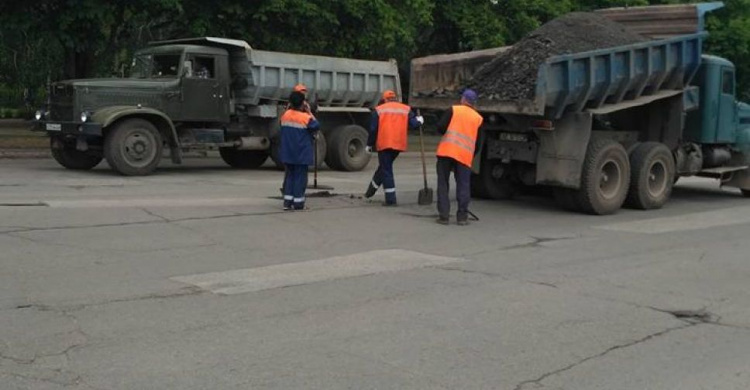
(727,108)
(202,93)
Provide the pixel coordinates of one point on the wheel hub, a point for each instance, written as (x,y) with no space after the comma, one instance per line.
(609,183)
(657,179)
(138,147)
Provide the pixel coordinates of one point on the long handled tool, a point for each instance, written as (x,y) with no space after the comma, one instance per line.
(315,185)
(425,194)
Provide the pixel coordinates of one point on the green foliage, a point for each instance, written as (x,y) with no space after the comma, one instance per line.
(43,40)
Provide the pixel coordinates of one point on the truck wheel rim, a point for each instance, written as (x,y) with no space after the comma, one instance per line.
(657,179)
(355,148)
(610,179)
(139,148)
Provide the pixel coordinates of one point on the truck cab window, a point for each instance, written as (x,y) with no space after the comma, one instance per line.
(165,65)
(203,68)
(727,82)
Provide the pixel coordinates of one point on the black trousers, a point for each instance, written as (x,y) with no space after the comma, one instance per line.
(462,173)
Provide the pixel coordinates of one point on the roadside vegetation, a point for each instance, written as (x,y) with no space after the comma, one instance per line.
(48,40)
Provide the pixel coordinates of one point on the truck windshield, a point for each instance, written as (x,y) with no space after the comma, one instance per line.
(156,66)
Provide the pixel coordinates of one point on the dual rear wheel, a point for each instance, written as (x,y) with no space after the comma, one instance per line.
(611,178)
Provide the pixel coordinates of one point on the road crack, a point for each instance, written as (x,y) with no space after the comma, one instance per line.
(538,381)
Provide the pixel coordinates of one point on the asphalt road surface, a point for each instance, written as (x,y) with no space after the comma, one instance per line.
(194,278)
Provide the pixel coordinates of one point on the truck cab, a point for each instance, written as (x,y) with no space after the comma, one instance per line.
(717,118)
(203,72)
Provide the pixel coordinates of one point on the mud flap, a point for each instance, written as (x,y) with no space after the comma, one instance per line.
(563,150)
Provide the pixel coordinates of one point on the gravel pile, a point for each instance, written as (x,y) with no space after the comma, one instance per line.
(512,74)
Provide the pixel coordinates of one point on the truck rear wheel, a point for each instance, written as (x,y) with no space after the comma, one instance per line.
(652,176)
(346,149)
(133,147)
(485,186)
(71,158)
(605,178)
(243,159)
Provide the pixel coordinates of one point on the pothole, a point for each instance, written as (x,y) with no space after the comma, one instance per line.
(698,316)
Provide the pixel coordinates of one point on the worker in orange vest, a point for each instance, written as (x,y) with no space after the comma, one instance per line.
(389,124)
(455,153)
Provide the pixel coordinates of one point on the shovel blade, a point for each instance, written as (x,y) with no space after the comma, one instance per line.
(425,197)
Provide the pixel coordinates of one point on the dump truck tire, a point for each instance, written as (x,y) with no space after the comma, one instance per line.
(347,149)
(133,147)
(485,186)
(652,176)
(605,178)
(71,158)
(243,159)
(322,149)
(746,193)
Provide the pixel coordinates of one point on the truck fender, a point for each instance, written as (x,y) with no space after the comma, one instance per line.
(109,115)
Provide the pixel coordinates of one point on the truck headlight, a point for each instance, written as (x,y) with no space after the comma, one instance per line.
(85,115)
(39,114)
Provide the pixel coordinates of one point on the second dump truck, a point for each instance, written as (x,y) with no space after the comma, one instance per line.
(613,126)
(211,94)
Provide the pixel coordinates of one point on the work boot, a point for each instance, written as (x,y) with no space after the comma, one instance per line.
(370,191)
(390,204)
(462,222)
(443,221)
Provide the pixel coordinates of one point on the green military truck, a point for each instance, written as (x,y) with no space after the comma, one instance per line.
(207,93)
(613,126)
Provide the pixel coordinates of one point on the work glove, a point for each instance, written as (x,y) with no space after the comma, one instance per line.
(420,119)
(368,149)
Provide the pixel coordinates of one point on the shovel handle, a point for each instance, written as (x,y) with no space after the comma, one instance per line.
(421,149)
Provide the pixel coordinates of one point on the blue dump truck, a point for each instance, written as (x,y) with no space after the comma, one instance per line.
(610,127)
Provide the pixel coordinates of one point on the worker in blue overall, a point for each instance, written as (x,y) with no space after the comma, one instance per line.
(298,129)
(389,127)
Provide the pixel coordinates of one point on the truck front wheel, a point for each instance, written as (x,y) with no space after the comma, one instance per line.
(346,149)
(71,158)
(605,178)
(243,159)
(652,177)
(133,147)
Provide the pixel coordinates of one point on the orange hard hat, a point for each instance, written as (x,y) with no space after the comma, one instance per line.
(388,94)
(300,88)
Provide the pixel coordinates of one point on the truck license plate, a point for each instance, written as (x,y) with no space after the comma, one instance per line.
(53,127)
(513,137)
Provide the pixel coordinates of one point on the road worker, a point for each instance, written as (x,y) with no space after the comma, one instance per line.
(455,153)
(298,129)
(310,107)
(389,125)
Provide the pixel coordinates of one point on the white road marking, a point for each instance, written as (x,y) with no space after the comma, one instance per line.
(694,221)
(157,202)
(294,274)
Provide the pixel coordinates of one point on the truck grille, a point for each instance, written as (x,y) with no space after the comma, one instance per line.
(62,103)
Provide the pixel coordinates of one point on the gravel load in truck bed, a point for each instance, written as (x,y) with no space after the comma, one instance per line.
(512,74)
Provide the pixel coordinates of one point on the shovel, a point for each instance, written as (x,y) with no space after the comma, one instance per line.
(425,194)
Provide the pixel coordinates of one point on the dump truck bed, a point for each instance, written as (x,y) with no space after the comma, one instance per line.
(260,75)
(579,81)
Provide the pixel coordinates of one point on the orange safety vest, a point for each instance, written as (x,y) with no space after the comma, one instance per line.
(460,139)
(393,125)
